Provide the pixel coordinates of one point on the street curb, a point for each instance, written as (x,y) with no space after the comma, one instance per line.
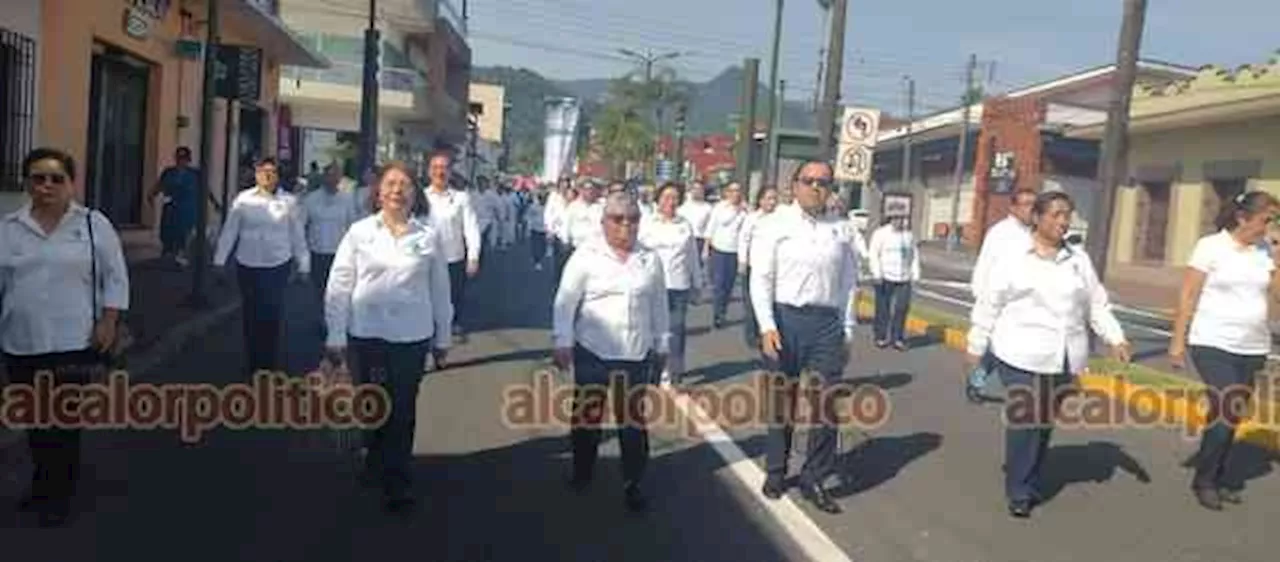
(1159,404)
(177,338)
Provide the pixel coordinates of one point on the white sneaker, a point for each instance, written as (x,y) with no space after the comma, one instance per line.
(665,380)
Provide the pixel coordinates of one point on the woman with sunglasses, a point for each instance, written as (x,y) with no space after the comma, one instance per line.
(1231,279)
(671,236)
(388,300)
(63,286)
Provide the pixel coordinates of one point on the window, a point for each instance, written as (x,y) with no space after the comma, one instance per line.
(17,105)
(1217,194)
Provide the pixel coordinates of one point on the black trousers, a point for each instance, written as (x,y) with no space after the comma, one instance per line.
(398,369)
(1232,376)
(537,246)
(593,378)
(750,328)
(458,289)
(262,296)
(724,272)
(55,452)
(893,300)
(1033,400)
(320,266)
(812,341)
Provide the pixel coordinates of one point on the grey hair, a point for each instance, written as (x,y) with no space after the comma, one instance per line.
(621,202)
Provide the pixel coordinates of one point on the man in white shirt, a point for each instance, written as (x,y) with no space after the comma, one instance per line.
(697,211)
(487,213)
(327,213)
(454,218)
(553,216)
(265,228)
(582,216)
(610,317)
(721,250)
(1010,236)
(803,273)
(895,265)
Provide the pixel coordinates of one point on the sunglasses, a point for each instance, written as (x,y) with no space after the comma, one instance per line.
(41,179)
(824,183)
(624,219)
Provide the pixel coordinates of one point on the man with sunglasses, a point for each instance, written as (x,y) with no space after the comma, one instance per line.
(803,273)
(610,325)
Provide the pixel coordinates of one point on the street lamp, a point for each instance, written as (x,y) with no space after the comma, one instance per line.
(647,61)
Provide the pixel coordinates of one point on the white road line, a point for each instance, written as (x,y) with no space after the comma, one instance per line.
(961,285)
(807,535)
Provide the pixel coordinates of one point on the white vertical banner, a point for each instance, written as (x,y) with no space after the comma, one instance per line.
(859,128)
(558,153)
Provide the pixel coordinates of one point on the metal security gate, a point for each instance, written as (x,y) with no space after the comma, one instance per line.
(17,105)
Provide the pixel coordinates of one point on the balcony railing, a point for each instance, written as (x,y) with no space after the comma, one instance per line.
(349,74)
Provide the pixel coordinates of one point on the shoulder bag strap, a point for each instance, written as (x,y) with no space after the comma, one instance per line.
(93,265)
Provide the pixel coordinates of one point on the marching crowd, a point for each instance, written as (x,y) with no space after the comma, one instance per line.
(393,260)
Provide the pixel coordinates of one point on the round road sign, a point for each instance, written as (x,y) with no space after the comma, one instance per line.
(859,126)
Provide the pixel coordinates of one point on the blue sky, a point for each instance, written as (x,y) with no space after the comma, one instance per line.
(930,40)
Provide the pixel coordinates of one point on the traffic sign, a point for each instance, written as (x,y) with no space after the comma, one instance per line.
(858,131)
(860,127)
(855,162)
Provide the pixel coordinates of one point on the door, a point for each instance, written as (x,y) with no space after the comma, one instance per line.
(117,136)
(1153,222)
(1217,194)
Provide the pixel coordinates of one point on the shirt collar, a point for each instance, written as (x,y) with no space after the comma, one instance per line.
(23,216)
(1066,252)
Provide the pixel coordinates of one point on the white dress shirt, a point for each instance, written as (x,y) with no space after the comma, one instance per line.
(697,213)
(754,222)
(534,216)
(800,260)
(582,222)
(265,229)
(327,216)
(1035,312)
(672,239)
(553,215)
(1006,236)
(454,219)
(893,255)
(361,196)
(615,309)
(723,227)
(1231,313)
(486,207)
(45,280)
(394,289)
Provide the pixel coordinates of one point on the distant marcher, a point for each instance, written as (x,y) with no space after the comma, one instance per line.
(537,229)
(327,213)
(63,286)
(724,226)
(1034,316)
(895,266)
(756,221)
(1011,235)
(671,236)
(610,326)
(180,186)
(454,218)
(1230,282)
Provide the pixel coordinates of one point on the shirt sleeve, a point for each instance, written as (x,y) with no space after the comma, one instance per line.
(298,237)
(471,231)
(848,286)
(339,289)
(873,254)
(113,274)
(764,263)
(1101,318)
(230,233)
(744,236)
(659,311)
(564,312)
(441,297)
(986,309)
(1202,256)
(915,260)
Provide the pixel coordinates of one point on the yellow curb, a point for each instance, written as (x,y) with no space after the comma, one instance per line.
(1174,407)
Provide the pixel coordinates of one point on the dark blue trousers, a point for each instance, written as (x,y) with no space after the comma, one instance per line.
(262,298)
(593,379)
(678,310)
(1031,404)
(1222,370)
(398,369)
(724,271)
(893,300)
(812,342)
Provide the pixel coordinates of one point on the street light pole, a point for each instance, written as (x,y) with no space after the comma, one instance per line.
(953,237)
(775,100)
(199,254)
(831,85)
(647,61)
(367,155)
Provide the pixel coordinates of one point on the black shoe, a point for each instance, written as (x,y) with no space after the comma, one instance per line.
(1208,498)
(773,488)
(52,518)
(399,504)
(29,504)
(634,499)
(817,495)
(1230,496)
(1020,508)
(579,484)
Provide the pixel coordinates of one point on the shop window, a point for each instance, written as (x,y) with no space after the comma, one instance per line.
(17,105)
(1154,200)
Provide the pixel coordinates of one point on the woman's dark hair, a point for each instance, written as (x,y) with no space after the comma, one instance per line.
(1249,203)
(670,185)
(266,161)
(420,208)
(46,153)
(764,191)
(1046,198)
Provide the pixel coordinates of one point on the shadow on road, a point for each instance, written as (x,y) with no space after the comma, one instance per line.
(884,381)
(879,459)
(1246,462)
(1096,461)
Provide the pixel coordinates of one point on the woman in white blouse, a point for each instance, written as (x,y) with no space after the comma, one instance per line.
(1230,281)
(388,299)
(671,236)
(266,229)
(766,202)
(63,285)
(721,251)
(1034,318)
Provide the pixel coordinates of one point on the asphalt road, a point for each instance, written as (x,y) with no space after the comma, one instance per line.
(925,486)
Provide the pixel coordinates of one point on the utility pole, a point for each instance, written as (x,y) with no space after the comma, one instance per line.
(200,258)
(775,100)
(746,126)
(679,148)
(1113,167)
(368,152)
(831,85)
(906,141)
(775,146)
(953,237)
(822,52)
(647,62)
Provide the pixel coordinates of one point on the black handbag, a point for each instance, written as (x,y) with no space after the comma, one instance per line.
(113,358)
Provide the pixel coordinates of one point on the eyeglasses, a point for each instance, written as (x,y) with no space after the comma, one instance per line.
(624,219)
(823,183)
(41,179)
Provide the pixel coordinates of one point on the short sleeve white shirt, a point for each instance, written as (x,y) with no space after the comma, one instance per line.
(1231,314)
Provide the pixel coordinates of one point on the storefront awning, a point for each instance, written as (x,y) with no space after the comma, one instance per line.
(272,35)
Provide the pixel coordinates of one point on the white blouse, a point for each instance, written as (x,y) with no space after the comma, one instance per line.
(673,241)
